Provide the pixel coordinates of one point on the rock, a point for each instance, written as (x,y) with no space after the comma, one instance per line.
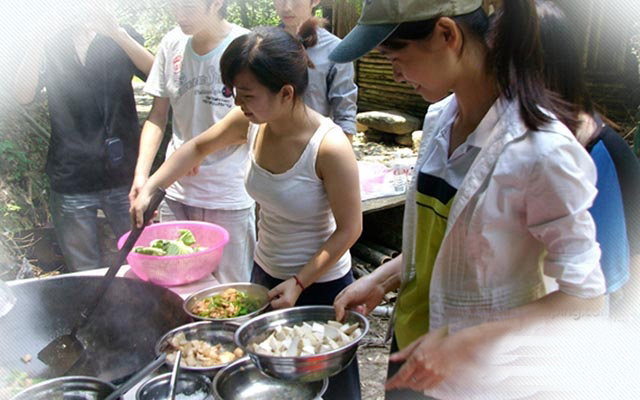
(373,135)
(360,127)
(389,121)
(417,138)
(404,140)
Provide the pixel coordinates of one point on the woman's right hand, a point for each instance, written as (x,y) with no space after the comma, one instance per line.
(362,295)
(139,206)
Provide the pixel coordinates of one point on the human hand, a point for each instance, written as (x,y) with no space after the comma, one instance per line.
(432,358)
(136,187)
(104,23)
(194,171)
(362,295)
(285,294)
(138,207)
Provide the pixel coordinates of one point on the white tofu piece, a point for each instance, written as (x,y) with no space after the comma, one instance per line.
(309,349)
(286,343)
(332,344)
(264,346)
(280,334)
(293,349)
(331,332)
(317,328)
(355,334)
(325,348)
(348,329)
(306,343)
(333,323)
(306,329)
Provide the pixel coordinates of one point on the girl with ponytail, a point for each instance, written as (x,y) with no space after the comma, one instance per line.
(500,195)
(332,91)
(302,172)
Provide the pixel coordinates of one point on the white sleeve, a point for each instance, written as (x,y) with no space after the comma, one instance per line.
(156,84)
(559,194)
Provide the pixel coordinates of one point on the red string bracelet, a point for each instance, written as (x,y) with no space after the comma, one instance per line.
(298,282)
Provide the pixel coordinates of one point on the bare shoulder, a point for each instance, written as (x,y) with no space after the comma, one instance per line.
(335,153)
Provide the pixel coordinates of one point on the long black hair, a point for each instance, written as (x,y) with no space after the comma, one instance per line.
(563,70)
(514,56)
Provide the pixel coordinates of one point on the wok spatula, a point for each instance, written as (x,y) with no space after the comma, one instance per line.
(65,350)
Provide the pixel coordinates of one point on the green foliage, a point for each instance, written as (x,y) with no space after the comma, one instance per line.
(24,138)
(252,13)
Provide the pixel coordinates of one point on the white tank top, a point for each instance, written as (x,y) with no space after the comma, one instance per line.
(295,216)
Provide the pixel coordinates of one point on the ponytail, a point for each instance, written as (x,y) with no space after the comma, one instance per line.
(308,31)
(516,56)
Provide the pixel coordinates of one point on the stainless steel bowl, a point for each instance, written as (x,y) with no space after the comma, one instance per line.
(305,368)
(252,290)
(213,332)
(189,385)
(243,381)
(68,388)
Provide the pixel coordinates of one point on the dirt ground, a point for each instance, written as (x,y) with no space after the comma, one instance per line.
(372,359)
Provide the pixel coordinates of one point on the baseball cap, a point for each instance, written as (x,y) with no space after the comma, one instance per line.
(380,18)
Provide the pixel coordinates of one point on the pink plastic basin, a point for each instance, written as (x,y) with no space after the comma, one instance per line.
(183,269)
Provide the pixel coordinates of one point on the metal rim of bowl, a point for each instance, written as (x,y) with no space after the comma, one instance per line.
(222,288)
(235,364)
(167,376)
(59,382)
(224,325)
(256,320)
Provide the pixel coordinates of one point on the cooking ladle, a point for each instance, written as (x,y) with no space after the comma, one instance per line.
(174,375)
(65,350)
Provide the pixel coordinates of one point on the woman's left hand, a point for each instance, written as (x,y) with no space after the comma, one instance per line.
(432,358)
(285,294)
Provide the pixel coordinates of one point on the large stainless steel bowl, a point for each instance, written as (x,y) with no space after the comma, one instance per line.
(188,385)
(304,368)
(68,387)
(243,381)
(253,290)
(213,332)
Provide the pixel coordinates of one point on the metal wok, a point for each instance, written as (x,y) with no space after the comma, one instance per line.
(119,337)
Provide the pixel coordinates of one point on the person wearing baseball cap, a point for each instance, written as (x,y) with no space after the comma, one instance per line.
(500,194)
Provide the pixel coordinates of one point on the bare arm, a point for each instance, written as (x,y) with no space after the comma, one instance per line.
(150,140)
(141,57)
(338,169)
(28,74)
(367,292)
(231,130)
(105,24)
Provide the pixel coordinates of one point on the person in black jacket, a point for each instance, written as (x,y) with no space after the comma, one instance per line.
(87,68)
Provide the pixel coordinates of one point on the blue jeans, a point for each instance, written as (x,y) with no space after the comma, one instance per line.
(346,384)
(75,219)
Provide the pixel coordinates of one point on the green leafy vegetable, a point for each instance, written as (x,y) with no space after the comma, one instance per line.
(185,244)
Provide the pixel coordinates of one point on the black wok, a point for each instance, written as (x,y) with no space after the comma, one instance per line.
(119,339)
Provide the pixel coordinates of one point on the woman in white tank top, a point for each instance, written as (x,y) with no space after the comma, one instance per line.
(303,172)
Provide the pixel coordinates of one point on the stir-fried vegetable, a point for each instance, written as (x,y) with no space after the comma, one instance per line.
(229,304)
(185,244)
